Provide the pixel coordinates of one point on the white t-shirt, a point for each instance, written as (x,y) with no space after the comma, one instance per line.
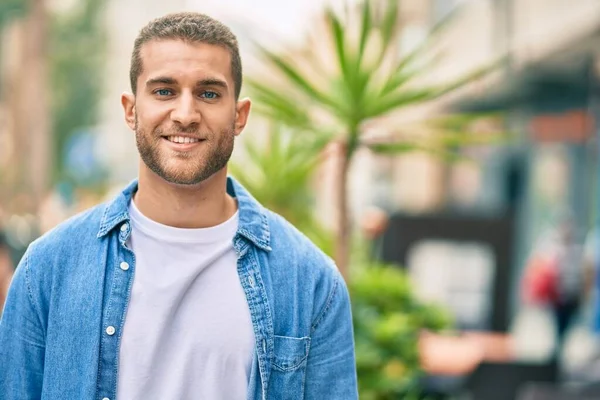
(188,332)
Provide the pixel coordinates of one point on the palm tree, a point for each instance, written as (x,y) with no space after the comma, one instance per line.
(278,173)
(351,74)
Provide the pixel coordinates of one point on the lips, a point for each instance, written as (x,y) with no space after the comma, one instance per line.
(179,143)
(182,139)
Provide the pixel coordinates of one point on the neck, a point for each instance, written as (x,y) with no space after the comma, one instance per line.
(184,206)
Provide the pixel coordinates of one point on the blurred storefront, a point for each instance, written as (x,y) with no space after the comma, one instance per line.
(546,88)
(549,92)
(466,231)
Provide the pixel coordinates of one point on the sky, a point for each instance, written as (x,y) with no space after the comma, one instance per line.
(290,20)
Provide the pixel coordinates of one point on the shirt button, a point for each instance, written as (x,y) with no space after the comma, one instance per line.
(106,398)
(123,229)
(251,281)
(110,330)
(124,266)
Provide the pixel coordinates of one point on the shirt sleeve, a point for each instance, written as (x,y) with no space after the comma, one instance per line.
(22,344)
(331,367)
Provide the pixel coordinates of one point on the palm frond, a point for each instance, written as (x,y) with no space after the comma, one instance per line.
(366,28)
(295,77)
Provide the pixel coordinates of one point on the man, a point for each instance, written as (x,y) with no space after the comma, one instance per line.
(183,287)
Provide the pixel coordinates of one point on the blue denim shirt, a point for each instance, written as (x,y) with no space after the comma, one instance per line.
(62,322)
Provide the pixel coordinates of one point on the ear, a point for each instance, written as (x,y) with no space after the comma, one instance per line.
(242,110)
(128,102)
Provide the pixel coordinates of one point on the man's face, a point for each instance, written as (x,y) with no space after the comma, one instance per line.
(184,113)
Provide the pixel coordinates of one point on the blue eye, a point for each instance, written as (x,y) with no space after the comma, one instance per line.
(210,95)
(163,92)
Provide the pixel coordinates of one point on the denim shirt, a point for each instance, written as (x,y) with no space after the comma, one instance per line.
(61,327)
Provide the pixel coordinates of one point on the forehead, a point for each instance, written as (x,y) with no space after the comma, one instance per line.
(178,58)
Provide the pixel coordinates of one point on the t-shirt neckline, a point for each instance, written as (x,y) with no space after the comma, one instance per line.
(223,231)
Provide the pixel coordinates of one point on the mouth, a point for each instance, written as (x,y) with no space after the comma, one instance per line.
(182,139)
(182,142)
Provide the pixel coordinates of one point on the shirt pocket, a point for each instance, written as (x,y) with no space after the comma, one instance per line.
(289,367)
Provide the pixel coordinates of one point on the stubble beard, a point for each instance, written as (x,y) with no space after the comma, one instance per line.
(194,166)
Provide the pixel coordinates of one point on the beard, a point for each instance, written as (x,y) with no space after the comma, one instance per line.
(185,167)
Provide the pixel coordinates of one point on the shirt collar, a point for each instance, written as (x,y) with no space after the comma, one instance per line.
(253,223)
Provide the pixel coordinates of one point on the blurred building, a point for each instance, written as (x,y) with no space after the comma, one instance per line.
(551,50)
(546,86)
(465,230)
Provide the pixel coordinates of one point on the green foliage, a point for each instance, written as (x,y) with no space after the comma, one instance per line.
(77,55)
(388,319)
(370,78)
(278,174)
(10,9)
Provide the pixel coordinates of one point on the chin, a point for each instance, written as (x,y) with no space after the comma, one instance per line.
(187,179)
(182,180)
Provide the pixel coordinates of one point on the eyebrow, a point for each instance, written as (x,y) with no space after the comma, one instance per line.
(212,82)
(161,80)
(165,80)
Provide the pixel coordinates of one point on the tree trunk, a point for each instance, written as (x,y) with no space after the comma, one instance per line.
(343,234)
(29,112)
(15,167)
(37,112)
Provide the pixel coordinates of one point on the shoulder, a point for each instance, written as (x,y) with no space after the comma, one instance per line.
(68,237)
(288,243)
(61,254)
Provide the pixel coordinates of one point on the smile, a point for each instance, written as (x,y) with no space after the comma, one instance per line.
(182,139)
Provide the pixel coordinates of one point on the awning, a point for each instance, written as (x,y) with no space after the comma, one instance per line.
(557,82)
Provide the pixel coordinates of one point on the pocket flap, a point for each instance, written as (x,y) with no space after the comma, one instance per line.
(289,352)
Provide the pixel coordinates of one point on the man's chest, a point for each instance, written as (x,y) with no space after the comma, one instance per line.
(187,323)
(191,297)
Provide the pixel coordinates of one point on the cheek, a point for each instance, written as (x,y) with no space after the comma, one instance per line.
(151,116)
(216,117)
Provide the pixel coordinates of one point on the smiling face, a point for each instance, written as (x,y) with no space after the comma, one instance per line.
(185,114)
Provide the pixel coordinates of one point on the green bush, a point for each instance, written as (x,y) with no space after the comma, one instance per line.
(388,319)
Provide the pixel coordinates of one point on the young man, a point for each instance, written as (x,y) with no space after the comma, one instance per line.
(182,287)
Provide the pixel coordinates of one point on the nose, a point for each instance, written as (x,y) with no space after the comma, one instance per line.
(185,112)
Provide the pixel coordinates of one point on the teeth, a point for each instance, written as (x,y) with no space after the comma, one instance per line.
(182,139)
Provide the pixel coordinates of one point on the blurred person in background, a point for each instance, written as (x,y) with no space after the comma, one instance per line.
(183,286)
(556,274)
(373,224)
